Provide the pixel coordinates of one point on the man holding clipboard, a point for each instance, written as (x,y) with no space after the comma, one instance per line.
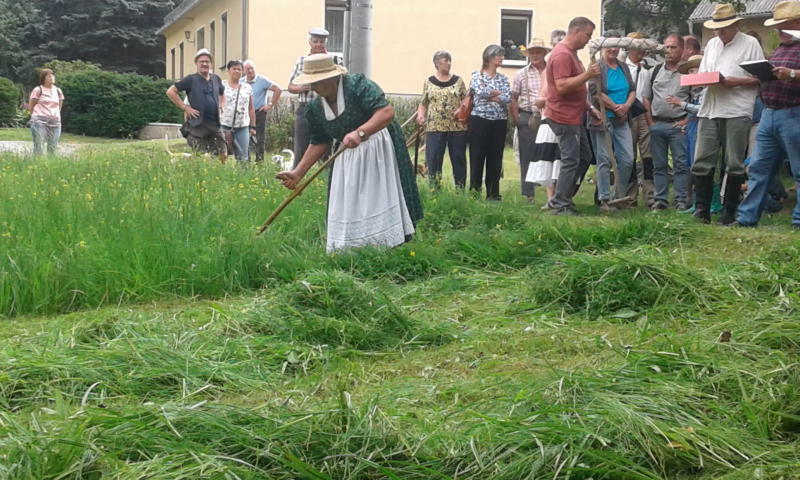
(726,112)
(777,136)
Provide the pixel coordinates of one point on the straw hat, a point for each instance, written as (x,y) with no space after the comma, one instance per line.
(203,51)
(537,43)
(692,62)
(318,67)
(724,15)
(784,12)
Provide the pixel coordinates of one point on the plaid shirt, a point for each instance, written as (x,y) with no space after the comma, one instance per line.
(306,97)
(777,94)
(527,86)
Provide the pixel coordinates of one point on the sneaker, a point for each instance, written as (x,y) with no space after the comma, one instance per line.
(680,206)
(689,210)
(547,206)
(566,211)
(659,206)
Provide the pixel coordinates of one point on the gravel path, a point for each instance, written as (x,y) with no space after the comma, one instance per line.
(26,148)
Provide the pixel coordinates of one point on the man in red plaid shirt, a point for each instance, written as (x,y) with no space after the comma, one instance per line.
(777,137)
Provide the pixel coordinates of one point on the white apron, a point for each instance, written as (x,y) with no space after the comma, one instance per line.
(366,204)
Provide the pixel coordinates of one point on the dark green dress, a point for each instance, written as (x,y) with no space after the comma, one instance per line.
(362,98)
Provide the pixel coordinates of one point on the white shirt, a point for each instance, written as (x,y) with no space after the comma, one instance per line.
(641,78)
(723,102)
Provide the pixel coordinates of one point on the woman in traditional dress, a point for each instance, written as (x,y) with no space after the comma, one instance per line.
(373,197)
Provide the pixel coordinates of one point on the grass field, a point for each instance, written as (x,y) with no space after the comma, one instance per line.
(147,333)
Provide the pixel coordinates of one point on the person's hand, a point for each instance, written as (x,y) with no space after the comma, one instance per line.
(494,96)
(593,70)
(673,100)
(540,103)
(681,124)
(265,108)
(421,118)
(191,112)
(729,82)
(351,140)
(290,179)
(782,73)
(621,110)
(594,117)
(252,131)
(307,87)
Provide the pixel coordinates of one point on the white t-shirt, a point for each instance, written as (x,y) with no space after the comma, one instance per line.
(641,77)
(723,102)
(243,106)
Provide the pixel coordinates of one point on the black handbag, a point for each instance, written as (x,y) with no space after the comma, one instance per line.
(637,108)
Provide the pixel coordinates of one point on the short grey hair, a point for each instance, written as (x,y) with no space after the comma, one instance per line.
(441,55)
(492,51)
(249,62)
(556,36)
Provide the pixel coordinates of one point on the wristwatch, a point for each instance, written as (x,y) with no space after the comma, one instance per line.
(362,135)
(792,74)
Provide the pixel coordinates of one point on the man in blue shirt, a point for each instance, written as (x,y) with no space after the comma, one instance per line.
(261,86)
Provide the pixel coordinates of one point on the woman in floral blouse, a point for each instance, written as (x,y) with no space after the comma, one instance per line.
(442,94)
(491,93)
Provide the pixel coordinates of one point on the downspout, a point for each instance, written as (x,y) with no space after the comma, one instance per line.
(245,28)
(348,8)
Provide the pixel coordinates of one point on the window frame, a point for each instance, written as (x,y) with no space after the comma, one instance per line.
(172,63)
(212,33)
(200,37)
(182,58)
(223,17)
(339,5)
(516,14)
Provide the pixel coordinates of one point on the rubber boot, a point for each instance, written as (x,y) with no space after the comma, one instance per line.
(702,197)
(733,191)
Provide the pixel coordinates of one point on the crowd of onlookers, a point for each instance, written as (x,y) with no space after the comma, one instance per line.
(718,146)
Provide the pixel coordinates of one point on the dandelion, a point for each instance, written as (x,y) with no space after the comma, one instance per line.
(412,253)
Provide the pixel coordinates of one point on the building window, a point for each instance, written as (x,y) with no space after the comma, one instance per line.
(201,38)
(172,64)
(334,24)
(515,31)
(223,46)
(181,58)
(212,37)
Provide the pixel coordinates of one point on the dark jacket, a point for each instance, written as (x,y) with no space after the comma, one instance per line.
(604,81)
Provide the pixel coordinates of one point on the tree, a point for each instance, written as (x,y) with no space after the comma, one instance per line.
(654,17)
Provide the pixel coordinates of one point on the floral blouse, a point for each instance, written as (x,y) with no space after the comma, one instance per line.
(442,99)
(242,108)
(482,86)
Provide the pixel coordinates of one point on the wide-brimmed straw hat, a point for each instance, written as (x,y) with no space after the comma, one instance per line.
(318,67)
(537,43)
(724,15)
(784,11)
(690,63)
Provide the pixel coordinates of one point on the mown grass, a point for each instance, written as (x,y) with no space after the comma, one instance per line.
(500,344)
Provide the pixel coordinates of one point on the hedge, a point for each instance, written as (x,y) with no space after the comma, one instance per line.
(107,104)
(9,102)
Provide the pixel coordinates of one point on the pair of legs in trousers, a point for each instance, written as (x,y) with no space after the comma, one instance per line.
(777,139)
(261,135)
(576,155)
(664,139)
(487,139)
(527,140)
(301,134)
(622,143)
(45,135)
(713,134)
(456,144)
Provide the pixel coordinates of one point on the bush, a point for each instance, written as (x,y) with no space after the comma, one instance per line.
(106,104)
(9,102)
(64,67)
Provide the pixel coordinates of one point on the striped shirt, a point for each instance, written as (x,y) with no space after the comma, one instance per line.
(305,97)
(778,94)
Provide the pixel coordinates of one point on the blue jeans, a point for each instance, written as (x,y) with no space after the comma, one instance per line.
(622,143)
(691,140)
(776,140)
(44,135)
(665,138)
(241,143)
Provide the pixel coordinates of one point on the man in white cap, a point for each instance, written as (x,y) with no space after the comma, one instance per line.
(318,43)
(777,136)
(525,92)
(206,95)
(726,113)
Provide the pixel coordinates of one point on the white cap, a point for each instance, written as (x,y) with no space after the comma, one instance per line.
(203,51)
(318,32)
